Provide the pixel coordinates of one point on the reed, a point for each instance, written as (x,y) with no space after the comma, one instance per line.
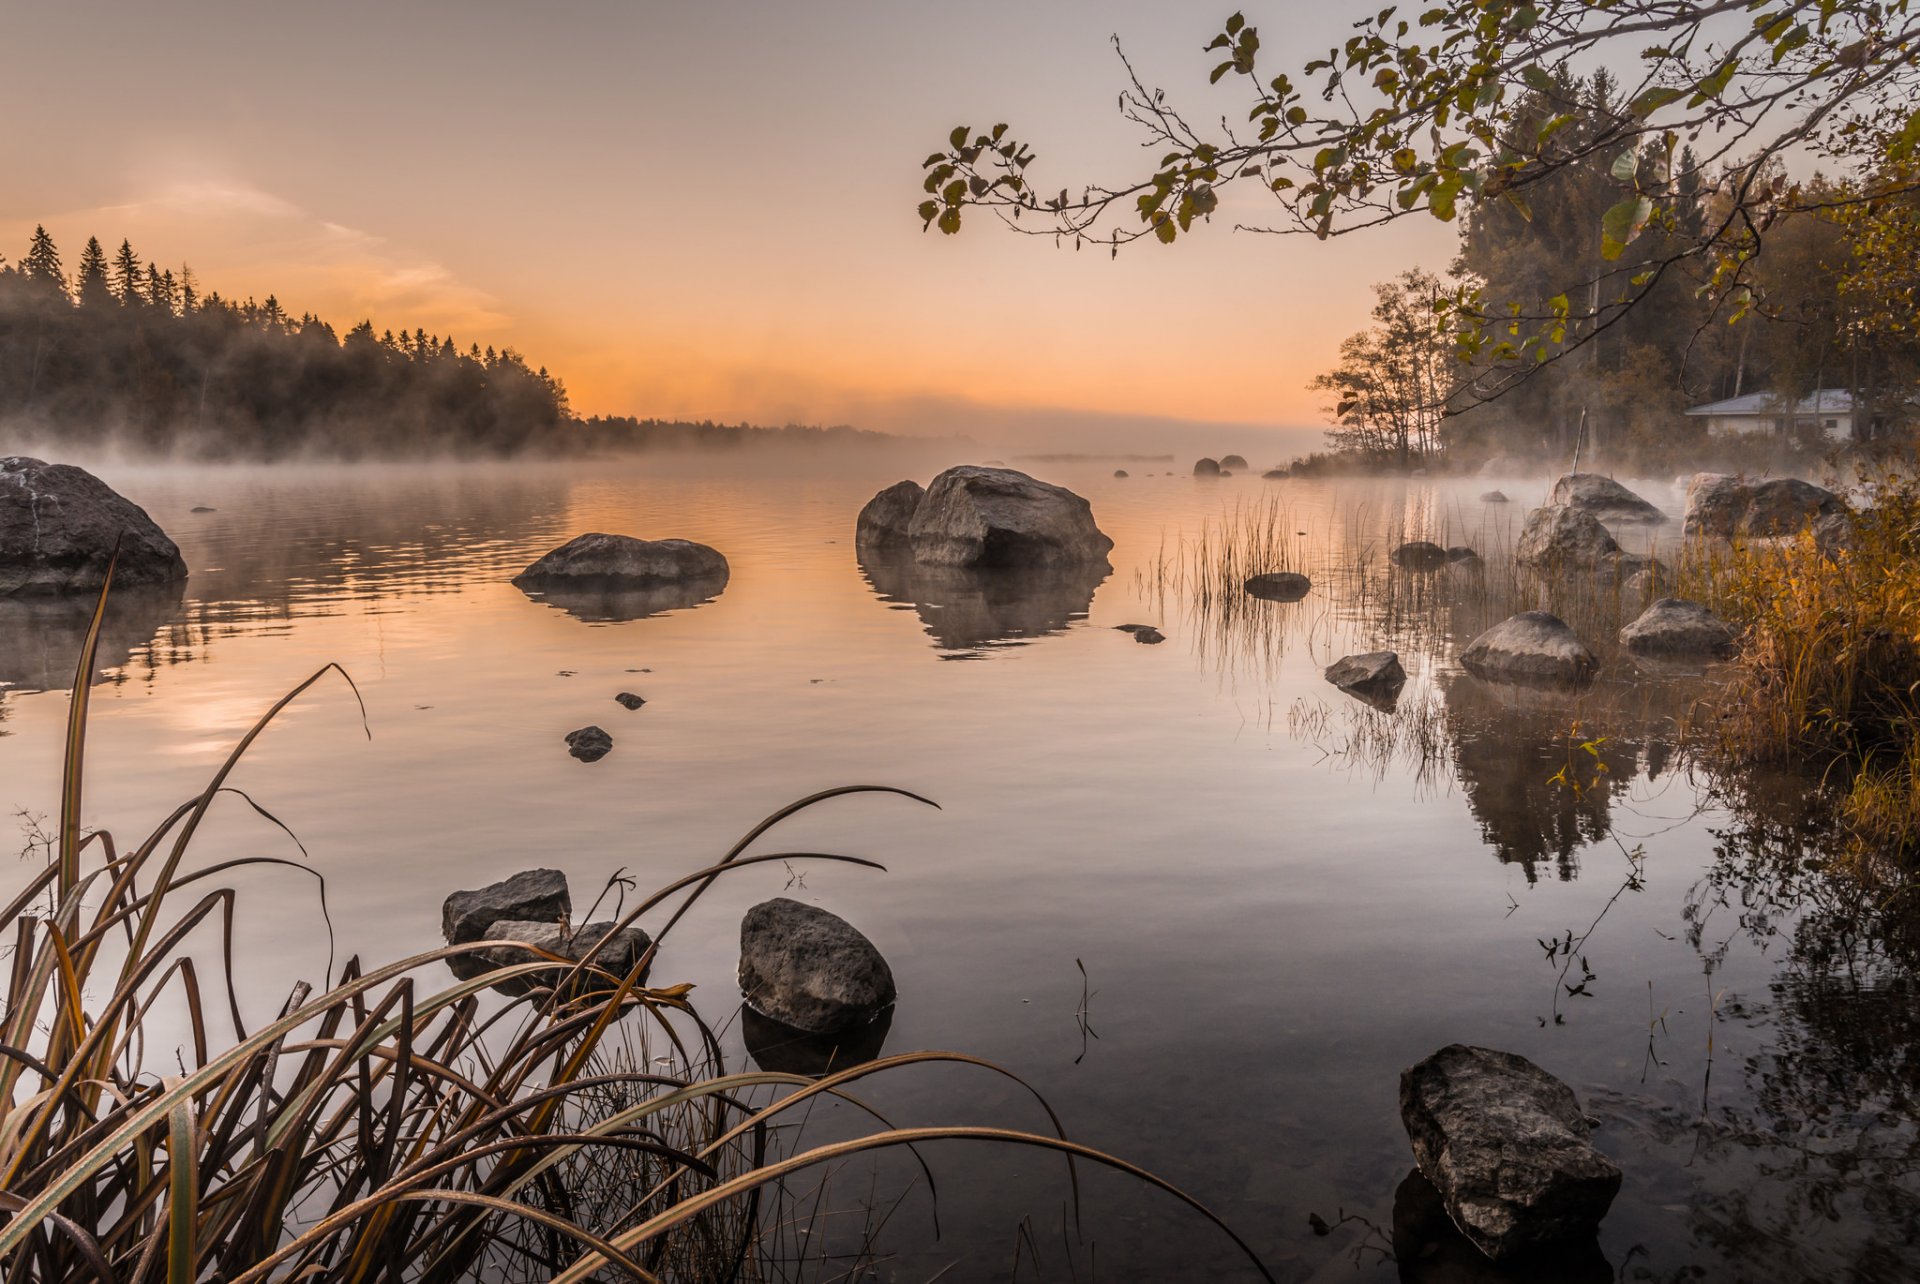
(390,1124)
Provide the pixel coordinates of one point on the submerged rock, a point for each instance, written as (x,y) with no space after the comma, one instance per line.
(1507,1148)
(885,521)
(810,969)
(538,895)
(996,517)
(1274,474)
(1206,468)
(202,508)
(1279,586)
(1493,497)
(1119,472)
(1149,636)
(1605,499)
(589,744)
(614,951)
(1532,647)
(1733,507)
(628,700)
(599,559)
(1420,555)
(1236,462)
(58,526)
(1375,677)
(1675,626)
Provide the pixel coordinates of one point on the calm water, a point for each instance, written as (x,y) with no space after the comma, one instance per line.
(1279,898)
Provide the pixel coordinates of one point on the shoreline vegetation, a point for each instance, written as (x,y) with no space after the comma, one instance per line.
(123,354)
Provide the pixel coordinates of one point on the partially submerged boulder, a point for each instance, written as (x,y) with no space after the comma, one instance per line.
(997,517)
(1730,507)
(1507,1147)
(629,701)
(58,525)
(1120,473)
(810,969)
(1375,677)
(600,560)
(1419,555)
(1674,626)
(1534,648)
(1145,633)
(538,895)
(1206,468)
(1493,497)
(589,744)
(1558,536)
(885,521)
(1235,462)
(1274,474)
(599,943)
(1605,499)
(1279,586)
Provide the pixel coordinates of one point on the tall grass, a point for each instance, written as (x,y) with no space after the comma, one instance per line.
(388,1124)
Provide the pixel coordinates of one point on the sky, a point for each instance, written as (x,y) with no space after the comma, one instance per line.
(693,210)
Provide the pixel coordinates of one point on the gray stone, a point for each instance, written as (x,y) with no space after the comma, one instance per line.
(601,560)
(1149,636)
(1206,468)
(58,525)
(1119,472)
(1507,1147)
(1274,474)
(888,516)
(534,894)
(1733,507)
(997,517)
(1605,499)
(202,508)
(1558,537)
(616,952)
(1375,676)
(1420,555)
(1279,586)
(1675,626)
(1233,461)
(628,700)
(1493,497)
(810,969)
(589,744)
(1532,647)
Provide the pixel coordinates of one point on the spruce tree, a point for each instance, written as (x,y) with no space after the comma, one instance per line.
(43,261)
(90,282)
(129,279)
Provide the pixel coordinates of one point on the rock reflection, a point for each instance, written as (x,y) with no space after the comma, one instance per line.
(41,637)
(971,611)
(1431,1250)
(785,1050)
(614,602)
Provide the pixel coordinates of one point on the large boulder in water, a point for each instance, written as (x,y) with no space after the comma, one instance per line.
(598,560)
(1534,648)
(58,525)
(885,521)
(1730,507)
(810,969)
(1507,1147)
(538,895)
(997,517)
(1604,498)
(1236,462)
(1558,537)
(1419,555)
(1674,626)
(1206,467)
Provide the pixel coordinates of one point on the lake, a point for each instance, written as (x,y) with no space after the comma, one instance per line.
(1279,897)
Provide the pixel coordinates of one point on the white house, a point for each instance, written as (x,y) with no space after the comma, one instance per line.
(1828,412)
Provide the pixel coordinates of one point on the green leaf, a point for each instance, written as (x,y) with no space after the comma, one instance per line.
(950,221)
(1626,166)
(958,138)
(929,210)
(1654,99)
(1622,223)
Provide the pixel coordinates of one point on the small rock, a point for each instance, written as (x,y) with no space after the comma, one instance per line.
(1675,626)
(1531,647)
(1420,555)
(1206,468)
(202,508)
(1233,461)
(1375,677)
(1274,474)
(1279,586)
(534,894)
(1151,637)
(1119,472)
(629,700)
(1604,498)
(589,744)
(1493,497)
(810,969)
(1507,1147)
(616,952)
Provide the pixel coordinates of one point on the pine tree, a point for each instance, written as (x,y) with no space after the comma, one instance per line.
(128,277)
(90,282)
(189,297)
(43,261)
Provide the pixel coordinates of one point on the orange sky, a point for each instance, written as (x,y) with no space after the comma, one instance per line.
(687,210)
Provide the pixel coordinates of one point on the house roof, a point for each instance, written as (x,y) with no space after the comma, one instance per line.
(1825,401)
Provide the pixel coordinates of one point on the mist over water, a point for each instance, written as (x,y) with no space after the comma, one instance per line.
(1279,896)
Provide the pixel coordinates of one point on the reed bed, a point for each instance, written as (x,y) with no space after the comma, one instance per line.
(389,1123)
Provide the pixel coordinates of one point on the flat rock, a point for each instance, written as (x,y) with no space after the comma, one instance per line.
(532,895)
(589,744)
(885,521)
(608,561)
(1206,468)
(1730,507)
(999,518)
(58,524)
(1507,1147)
(809,969)
(1375,677)
(1605,499)
(1279,586)
(1419,555)
(628,700)
(1675,626)
(616,952)
(1533,648)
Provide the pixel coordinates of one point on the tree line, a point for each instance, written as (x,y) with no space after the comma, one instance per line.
(124,352)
